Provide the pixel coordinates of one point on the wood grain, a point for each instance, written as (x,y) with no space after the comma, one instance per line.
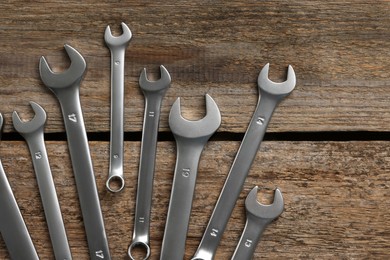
(336,198)
(339,50)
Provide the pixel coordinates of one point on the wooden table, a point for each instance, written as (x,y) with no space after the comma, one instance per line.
(326,148)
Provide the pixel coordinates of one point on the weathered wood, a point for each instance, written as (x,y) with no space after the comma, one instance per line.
(336,198)
(339,50)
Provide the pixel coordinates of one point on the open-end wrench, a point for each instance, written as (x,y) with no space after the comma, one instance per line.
(258,216)
(12,226)
(32,132)
(191,137)
(154,92)
(66,87)
(117,46)
(271,94)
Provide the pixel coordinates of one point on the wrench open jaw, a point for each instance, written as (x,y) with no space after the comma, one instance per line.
(202,128)
(72,76)
(154,86)
(37,123)
(123,39)
(263,211)
(276,88)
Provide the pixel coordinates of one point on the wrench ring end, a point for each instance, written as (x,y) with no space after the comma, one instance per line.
(115,179)
(139,244)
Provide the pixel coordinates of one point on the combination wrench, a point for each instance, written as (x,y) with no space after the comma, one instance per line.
(271,94)
(66,87)
(191,137)
(117,46)
(258,217)
(154,93)
(32,132)
(12,226)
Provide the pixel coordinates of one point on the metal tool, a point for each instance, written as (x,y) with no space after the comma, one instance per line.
(154,93)
(66,88)
(258,216)
(12,226)
(191,137)
(117,46)
(32,131)
(271,94)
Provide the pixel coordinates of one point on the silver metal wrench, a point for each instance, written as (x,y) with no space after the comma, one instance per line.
(191,137)
(271,94)
(258,217)
(117,46)
(66,87)
(12,226)
(32,132)
(154,92)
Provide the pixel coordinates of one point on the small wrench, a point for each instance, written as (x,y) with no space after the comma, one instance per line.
(258,216)
(66,87)
(271,94)
(191,137)
(12,226)
(154,93)
(32,131)
(117,46)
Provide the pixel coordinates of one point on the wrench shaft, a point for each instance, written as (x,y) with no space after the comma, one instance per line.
(180,204)
(83,172)
(236,177)
(12,226)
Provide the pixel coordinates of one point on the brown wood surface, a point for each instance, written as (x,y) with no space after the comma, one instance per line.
(336,188)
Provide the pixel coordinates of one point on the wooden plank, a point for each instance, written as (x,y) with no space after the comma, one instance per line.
(338,49)
(336,198)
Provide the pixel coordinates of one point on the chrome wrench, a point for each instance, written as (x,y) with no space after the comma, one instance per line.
(32,132)
(117,46)
(271,94)
(154,93)
(258,217)
(12,226)
(66,87)
(191,137)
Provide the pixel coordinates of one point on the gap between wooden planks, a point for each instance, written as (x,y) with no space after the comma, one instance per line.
(336,197)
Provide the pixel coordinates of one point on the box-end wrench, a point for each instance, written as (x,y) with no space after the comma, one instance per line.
(66,87)
(154,92)
(117,46)
(12,226)
(191,137)
(271,94)
(258,217)
(32,132)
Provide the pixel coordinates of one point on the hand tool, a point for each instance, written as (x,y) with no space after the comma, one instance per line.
(191,137)
(271,94)
(117,46)
(66,87)
(12,226)
(154,93)
(258,216)
(32,131)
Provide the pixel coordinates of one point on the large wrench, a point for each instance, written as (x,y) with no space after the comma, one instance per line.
(66,87)
(12,226)
(258,216)
(154,93)
(271,94)
(117,46)
(32,131)
(191,137)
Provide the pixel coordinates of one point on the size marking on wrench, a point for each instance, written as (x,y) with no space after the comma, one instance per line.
(66,88)
(258,217)
(32,132)
(271,94)
(154,92)
(117,46)
(191,137)
(12,226)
